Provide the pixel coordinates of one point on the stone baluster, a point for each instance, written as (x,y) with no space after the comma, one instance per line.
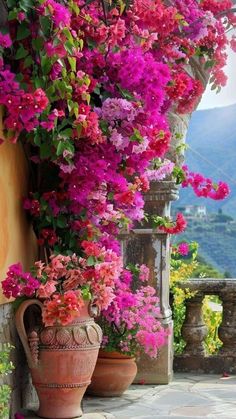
(227,329)
(194,330)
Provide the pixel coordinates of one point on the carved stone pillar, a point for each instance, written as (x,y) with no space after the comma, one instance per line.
(149,246)
(194,329)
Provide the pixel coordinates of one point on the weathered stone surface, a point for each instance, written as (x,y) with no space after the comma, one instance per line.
(188,396)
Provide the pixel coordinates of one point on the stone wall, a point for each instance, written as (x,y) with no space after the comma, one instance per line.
(17,244)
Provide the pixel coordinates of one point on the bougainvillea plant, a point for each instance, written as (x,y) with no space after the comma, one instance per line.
(86,87)
(130,324)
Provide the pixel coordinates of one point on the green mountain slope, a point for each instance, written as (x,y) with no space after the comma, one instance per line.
(212,152)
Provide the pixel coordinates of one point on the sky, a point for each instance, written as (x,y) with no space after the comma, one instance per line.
(227,96)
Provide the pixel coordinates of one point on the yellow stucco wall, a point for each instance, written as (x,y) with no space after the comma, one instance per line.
(17,240)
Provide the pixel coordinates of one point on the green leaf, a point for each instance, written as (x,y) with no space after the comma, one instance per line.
(125,93)
(72,61)
(61,221)
(209,64)
(72,242)
(86,294)
(60,148)
(12,15)
(19,77)
(26,5)
(50,91)
(136,136)
(104,126)
(11,3)
(21,53)
(28,61)
(68,35)
(75,8)
(69,47)
(38,44)
(38,82)
(79,129)
(46,64)
(66,133)
(37,138)
(45,24)
(91,261)
(22,31)
(45,151)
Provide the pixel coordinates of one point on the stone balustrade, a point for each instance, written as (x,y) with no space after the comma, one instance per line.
(194,331)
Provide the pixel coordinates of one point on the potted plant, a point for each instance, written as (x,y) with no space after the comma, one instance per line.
(131,325)
(62,349)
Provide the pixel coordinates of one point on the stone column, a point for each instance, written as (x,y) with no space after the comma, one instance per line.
(149,246)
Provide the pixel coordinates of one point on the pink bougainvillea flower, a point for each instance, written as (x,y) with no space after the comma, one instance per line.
(183,249)
(47,289)
(5,40)
(177,227)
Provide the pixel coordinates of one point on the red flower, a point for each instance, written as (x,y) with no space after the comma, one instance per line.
(177,227)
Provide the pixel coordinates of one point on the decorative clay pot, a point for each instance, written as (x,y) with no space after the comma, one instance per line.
(61,360)
(113,374)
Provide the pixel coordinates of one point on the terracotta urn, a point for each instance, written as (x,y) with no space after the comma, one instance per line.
(113,374)
(61,361)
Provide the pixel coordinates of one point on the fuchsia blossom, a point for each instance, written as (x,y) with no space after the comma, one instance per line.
(19,283)
(204,187)
(60,14)
(135,315)
(5,41)
(21,16)
(183,249)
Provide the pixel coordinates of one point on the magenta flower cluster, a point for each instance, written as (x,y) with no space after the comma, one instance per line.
(131,322)
(19,283)
(204,187)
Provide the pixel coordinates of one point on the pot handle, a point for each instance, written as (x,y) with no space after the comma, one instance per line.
(30,343)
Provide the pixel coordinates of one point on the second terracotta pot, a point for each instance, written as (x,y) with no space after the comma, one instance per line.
(113,374)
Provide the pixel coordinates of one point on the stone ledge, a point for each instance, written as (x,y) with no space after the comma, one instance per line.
(212,364)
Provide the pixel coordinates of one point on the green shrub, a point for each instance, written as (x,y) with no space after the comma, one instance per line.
(6,368)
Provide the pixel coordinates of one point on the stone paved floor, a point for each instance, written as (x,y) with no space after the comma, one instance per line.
(188,396)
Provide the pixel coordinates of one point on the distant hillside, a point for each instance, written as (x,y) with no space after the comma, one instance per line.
(217,244)
(212,152)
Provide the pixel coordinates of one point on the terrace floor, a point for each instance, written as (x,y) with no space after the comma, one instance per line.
(187,396)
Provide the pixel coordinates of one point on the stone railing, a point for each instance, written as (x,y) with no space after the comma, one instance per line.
(194,331)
